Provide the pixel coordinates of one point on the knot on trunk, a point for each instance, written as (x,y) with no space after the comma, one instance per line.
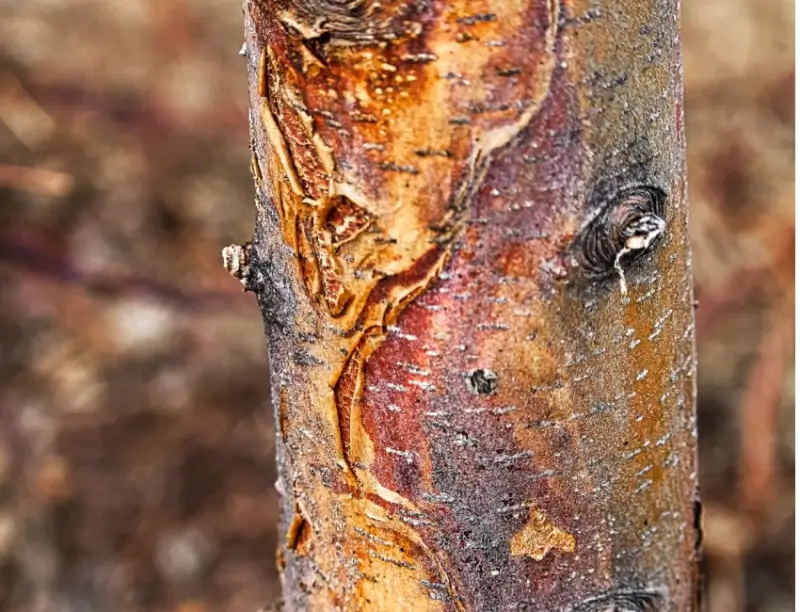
(623,231)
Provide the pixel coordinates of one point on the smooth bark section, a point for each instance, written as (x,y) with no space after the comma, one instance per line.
(471,255)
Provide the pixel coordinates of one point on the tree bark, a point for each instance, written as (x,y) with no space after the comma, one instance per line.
(472,259)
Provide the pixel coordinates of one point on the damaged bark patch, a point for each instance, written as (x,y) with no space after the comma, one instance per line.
(539,536)
(266,276)
(299,534)
(346,220)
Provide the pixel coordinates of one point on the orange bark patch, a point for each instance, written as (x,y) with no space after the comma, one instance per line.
(299,534)
(539,536)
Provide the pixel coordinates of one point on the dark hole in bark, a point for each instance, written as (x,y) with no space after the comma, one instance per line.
(482,381)
(318,46)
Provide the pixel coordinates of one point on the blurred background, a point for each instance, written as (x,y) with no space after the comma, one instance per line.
(136,448)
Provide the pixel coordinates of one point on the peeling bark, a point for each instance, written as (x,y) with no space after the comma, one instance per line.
(471,255)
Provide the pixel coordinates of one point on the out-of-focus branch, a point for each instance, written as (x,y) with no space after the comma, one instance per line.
(36,180)
(759,417)
(21,114)
(768,274)
(146,117)
(22,258)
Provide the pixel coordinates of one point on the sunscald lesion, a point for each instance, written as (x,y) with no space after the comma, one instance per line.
(372,197)
(372,181)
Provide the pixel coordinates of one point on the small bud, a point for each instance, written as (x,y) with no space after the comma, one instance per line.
(236,260)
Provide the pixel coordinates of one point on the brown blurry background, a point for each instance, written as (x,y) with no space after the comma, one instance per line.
(136,467)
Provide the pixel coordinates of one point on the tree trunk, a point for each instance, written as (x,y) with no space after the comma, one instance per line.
(472,259)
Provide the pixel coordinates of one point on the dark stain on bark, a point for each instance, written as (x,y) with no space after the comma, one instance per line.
(698,551)
(698,524)
(266,278)
(304,358)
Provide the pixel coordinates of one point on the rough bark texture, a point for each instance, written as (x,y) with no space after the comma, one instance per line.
(475,411)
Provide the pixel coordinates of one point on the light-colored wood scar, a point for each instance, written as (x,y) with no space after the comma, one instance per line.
(278,143)
(255,167)
(539,536)
(262,74)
